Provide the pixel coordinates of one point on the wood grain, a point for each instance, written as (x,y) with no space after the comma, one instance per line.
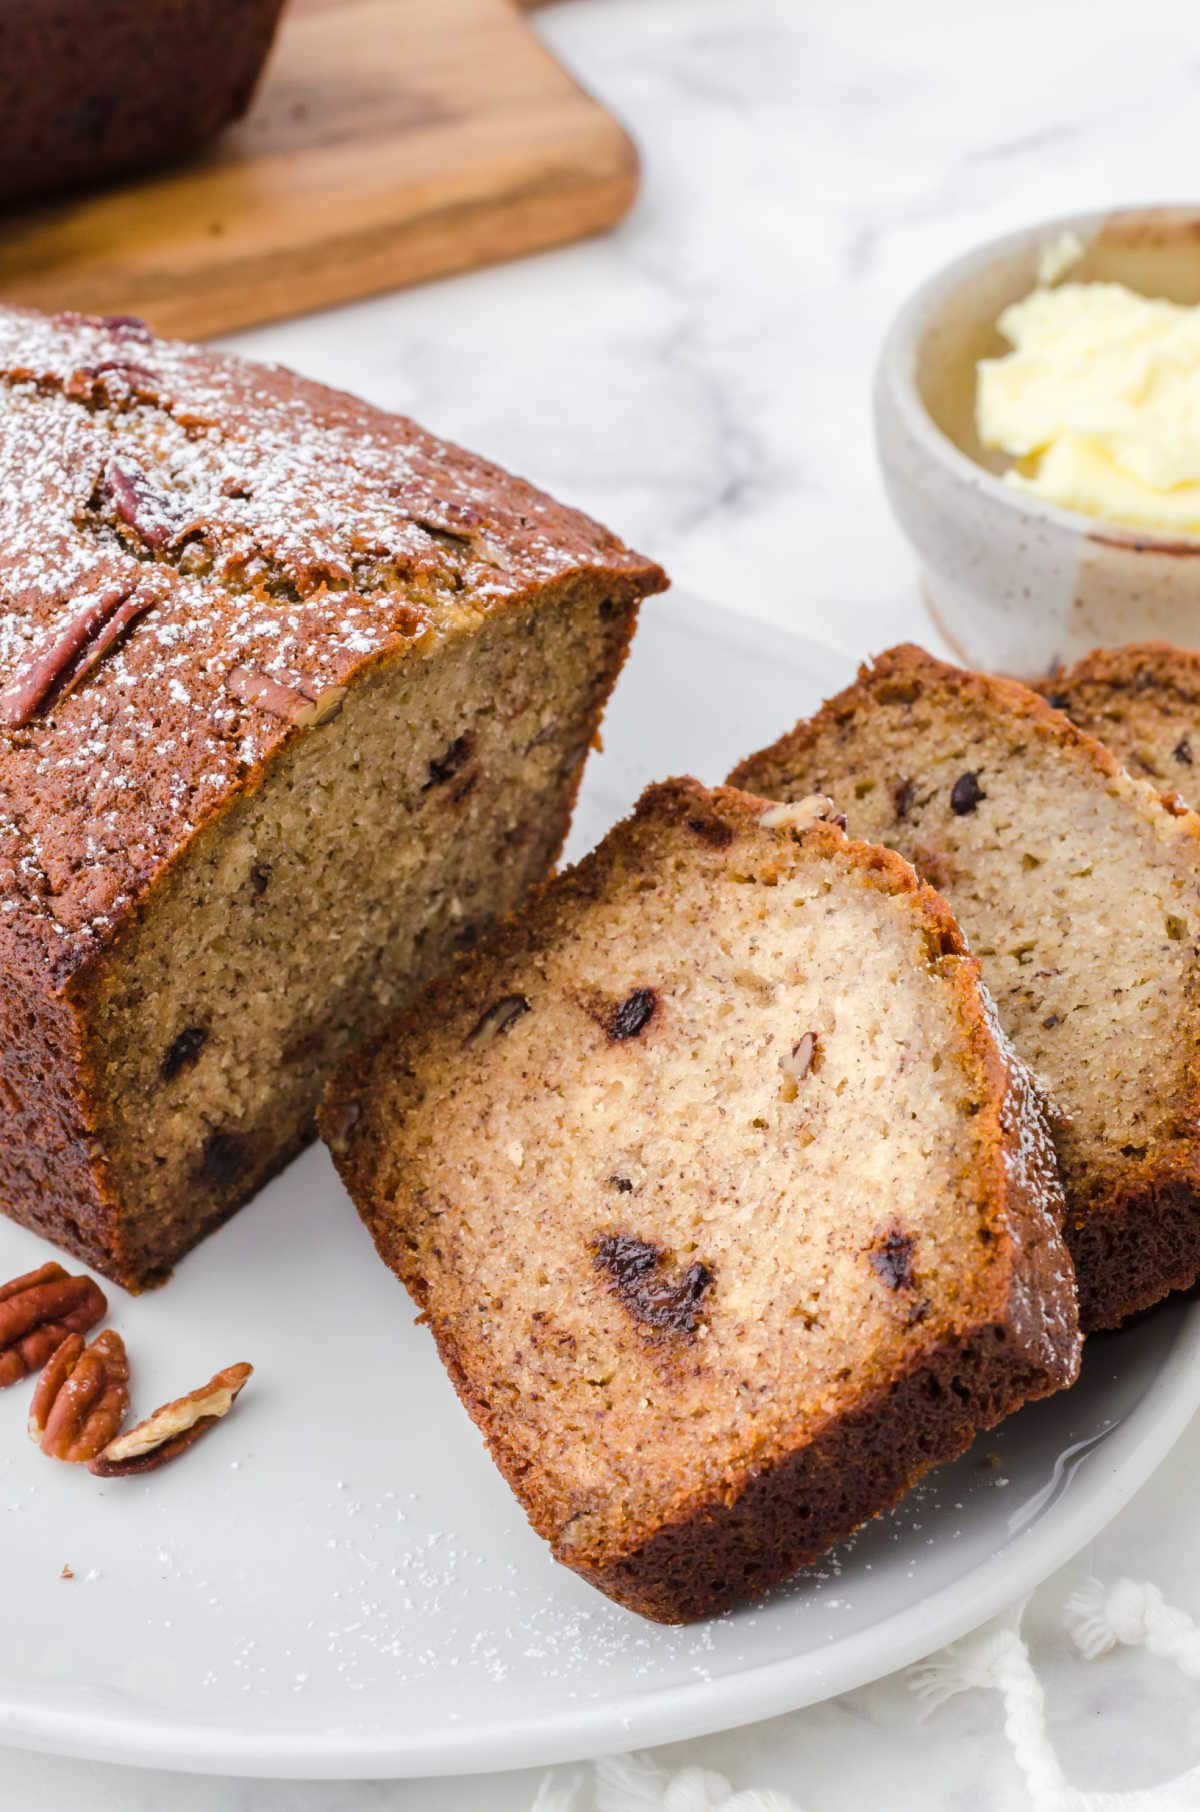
(392,141)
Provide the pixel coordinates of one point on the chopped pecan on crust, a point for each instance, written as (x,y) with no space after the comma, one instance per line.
(173,1428)
(37,1312)
(82,1397)
(154,518)
(301,704)
(76,649)
(457,523)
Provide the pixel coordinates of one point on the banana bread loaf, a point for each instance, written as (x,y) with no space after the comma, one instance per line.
(1079,890)
(95,89)
(293,699)
(729,1208)
(1143,700)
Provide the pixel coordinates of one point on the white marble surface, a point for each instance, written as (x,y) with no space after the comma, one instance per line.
(700,379)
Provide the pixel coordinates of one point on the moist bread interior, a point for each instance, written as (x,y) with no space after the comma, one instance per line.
(1077,888)
(379,844)
(687,1165)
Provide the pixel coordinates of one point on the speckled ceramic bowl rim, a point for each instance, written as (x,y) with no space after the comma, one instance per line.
(897,370)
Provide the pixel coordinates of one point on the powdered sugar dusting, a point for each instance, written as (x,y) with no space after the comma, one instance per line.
(287,529)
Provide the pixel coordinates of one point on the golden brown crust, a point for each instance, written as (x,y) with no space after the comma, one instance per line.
(788,1515)
(1133,665)
(288,531)
(1142,701)
(1136,1238)
(888,676)
(728,1539)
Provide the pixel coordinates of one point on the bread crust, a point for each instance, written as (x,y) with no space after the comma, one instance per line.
(1109,690)
(1163,1206)
(723,1542)
(1131,665)
(1136,1239)
(317,516)
(790,1513)
(85,97)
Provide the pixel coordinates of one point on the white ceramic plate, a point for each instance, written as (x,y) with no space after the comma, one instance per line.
(338,1584)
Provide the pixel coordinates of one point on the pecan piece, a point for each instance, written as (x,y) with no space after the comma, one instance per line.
(461,526)
(796,1065)
(902,798)
(802,814)
(499,1018)
(306,707)
(173,1428)
(37,1312)
(127,327)
(149,513)
(78,647)
(82,1397)
(113,381)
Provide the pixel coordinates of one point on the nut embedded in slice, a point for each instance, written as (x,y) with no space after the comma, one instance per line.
(173,1428)
(82,1397)
(37,1312)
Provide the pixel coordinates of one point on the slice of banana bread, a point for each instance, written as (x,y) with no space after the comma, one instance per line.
(293,699)
(731,1211)
(1079,890)
(1143,700)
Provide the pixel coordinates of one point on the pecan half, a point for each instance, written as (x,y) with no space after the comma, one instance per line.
(305,707)
(113,381)
(82,1397)
(153,516)
(173,1428)
(37,1312)
(73,653)
(459,524)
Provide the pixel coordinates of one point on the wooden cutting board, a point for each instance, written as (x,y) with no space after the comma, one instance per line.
(391,141)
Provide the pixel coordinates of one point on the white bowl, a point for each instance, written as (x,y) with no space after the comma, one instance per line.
(1015,584)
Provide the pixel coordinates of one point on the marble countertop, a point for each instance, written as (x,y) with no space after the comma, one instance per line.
(701,380)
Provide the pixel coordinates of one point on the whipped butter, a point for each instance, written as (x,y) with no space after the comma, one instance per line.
(1098,404)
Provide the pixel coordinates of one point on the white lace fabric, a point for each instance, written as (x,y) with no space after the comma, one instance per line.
(996,1658)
